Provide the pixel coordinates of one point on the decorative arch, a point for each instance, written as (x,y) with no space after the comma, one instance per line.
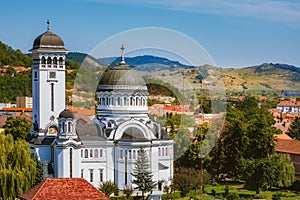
(145,132)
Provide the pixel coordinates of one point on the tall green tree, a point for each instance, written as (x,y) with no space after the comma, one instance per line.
(246,148)
(142,173)
(294,130)
(18,127)
(17,168)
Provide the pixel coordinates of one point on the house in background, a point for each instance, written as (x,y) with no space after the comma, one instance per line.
(287,145)
(64,188)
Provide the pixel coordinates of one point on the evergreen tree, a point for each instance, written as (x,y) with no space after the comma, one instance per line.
(142,174)
(294,130)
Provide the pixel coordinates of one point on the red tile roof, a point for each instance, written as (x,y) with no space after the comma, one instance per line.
(287,146)
(288,103)
(17,109)
(64,188)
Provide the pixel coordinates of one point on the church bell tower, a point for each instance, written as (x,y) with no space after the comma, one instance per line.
(48,82)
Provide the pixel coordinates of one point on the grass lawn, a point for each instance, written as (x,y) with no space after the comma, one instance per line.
(243,193)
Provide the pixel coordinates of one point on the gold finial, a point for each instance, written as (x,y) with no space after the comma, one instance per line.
(48,24)
(122,56)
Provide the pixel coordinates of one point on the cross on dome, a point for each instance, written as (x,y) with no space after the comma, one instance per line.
(48,24)
(122,56)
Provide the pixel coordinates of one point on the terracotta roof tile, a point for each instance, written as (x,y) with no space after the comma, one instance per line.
(64,188)
(287,146)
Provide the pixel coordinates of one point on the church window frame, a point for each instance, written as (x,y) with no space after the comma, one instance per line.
(81,153)
(55,62)
(162,151)
(52,97)
(91,153)
(129,154)
(166,152)
(100,153)
(112,101)
(133,154)
(69,126)
(121,154)
(49,62)
(91,175)
(101,175)
(60,62)
(82,173)
(159,154)
(119,102)
(86,153)
(71,162)
(43,62)
(96,155)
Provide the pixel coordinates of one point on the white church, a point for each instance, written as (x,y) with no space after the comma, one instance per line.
(106,149)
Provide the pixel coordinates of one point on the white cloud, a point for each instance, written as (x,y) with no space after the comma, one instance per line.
(284,11)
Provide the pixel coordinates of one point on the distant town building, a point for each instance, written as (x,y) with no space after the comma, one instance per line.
(289,107)
(24,102)
(106,149)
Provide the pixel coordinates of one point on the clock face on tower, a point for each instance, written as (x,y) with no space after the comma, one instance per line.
(52,74)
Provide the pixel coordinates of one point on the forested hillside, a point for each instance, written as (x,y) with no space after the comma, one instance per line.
(11,57)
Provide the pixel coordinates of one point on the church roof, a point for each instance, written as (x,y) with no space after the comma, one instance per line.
(121,75)
(66,113)
(48,41)
(89,132)
(64,188)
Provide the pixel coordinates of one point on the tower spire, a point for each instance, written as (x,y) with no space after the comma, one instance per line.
(122,56)
(48,24)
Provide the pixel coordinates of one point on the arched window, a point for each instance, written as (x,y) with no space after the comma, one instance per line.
(166,151)
(158,151)
(63,127)
(61,62)
(131,101)
(125,101)
(49,62)
(109,124)
(103,101)
(91,153)
(136,101)
(86,153)
(113,101)
(163,151)
(100,101)
(101,153)
(81,153)
(55,62)
(141,101)
(133,154)
(96,153)
(69,126)
(119,101)
(43,61)
(107,101)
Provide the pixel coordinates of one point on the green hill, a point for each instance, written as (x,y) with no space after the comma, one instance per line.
(11,57)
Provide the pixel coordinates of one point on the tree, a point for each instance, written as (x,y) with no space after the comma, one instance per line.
(18,127)
(142,174)
(272,171)
(186,179)
(17,168)
(246,148)
(294,130)
(108,188)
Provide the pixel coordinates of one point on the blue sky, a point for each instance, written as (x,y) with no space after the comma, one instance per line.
(235,33)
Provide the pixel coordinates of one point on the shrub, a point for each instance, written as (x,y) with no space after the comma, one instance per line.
(233,196)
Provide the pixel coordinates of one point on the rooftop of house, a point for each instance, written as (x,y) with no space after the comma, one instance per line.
(289,103)
(287,145)
(64,188)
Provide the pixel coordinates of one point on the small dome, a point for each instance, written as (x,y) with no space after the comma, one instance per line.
(48,40)
(120,75)
(66,113)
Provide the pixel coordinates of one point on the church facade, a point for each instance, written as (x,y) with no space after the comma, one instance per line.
(107,149)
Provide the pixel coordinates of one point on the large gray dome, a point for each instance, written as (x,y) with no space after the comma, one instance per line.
(120,75)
